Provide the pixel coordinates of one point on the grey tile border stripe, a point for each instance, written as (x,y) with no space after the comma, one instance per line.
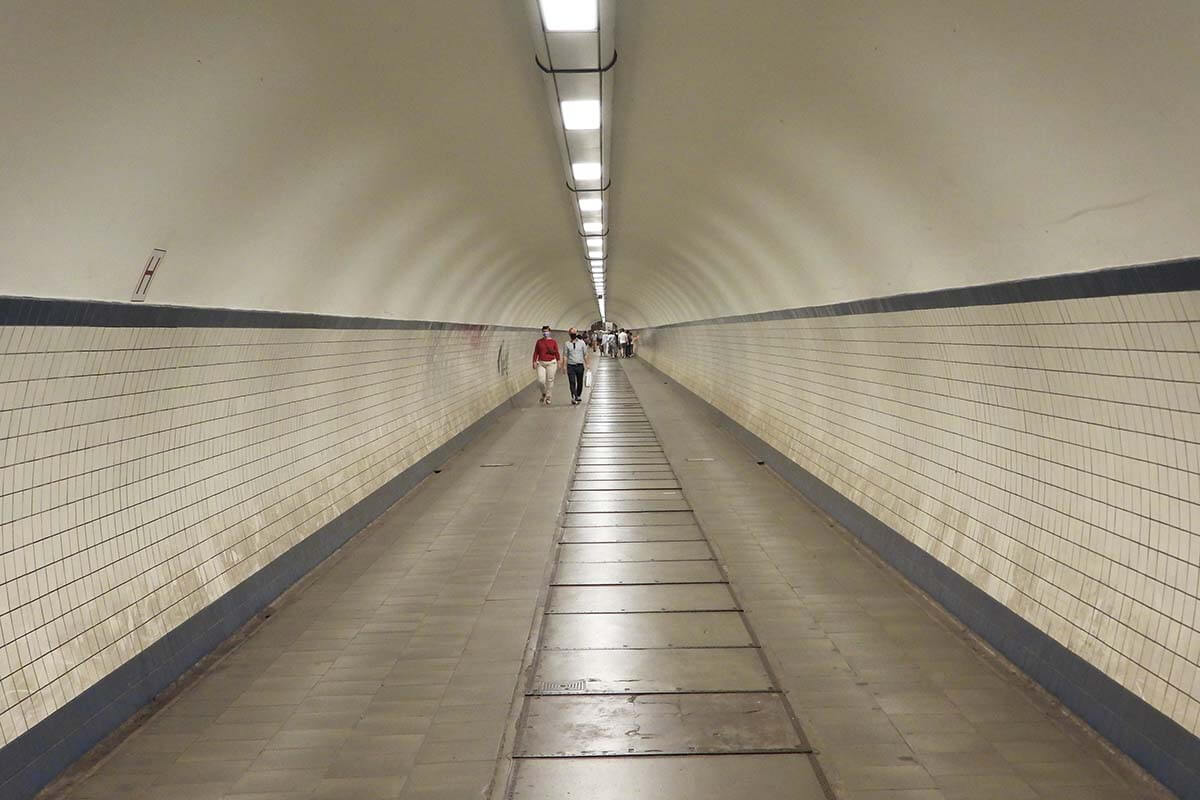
(43,311)
(1182,275)
(1160,745)
(36,757)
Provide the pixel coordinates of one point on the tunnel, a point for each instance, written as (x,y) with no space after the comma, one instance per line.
(544,399)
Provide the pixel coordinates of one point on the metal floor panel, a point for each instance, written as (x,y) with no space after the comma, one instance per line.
(586,495)
(657,724)
(680,669)
(754,777)
(635,572)
(637,599)
(639,631)
(603,473)
(630,518)
(634,551)
(653,470)
(592,448)
(625,506)
(582,484)
(644,533)
(646,679)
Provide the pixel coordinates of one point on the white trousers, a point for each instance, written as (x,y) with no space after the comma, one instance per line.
(546,371)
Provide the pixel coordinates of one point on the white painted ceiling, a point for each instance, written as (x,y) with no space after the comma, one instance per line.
(397,158)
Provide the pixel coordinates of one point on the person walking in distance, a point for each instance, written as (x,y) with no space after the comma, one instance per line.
(546,359)
(622,343)
(577,359)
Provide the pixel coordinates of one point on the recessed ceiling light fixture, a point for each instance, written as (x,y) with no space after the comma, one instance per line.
(586,170)
(573,44)
(581,115)
(569,16)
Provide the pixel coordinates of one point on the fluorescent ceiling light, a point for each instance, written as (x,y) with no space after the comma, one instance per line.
(590,204)
(586,170)
(593,227)
(599,262)
(581,115)
(570,15)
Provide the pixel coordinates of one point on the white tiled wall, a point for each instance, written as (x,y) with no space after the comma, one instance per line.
(145,472)
(1048,452)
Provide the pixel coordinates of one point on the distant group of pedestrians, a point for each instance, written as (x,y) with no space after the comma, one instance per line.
(577,357)
(618,344)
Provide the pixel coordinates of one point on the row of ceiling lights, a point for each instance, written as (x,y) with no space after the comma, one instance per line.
(574,35)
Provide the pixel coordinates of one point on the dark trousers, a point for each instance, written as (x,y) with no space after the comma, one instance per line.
(575,375)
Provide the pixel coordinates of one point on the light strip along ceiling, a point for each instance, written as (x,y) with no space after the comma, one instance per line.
(574,50)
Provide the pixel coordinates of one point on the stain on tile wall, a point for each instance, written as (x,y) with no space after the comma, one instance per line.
(1046,451)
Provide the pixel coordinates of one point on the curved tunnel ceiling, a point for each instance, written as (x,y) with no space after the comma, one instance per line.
(395,159)
(774,153)
(380,159)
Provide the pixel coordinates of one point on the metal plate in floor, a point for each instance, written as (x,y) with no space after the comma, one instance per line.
(606,457)
(681,669)
(637,599)
(657,724)
(635,572)
(624,429)
(602,473)
(625,494)
(641,631)
(610,436)
(620,445)
(626,506)
(644,533)
(630,518)
(587,485)
(624,461)
(653,470)
(635,551)
(637,442)
(622,425)
(784,776)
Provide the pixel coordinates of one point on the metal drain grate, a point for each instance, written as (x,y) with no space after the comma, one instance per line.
(505,464)
(562,686)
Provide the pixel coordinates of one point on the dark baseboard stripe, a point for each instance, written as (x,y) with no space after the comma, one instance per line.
(38,756)
(1168,276)
(42,311)
(1163,747)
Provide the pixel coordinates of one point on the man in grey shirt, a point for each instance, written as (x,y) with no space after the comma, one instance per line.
(577,362)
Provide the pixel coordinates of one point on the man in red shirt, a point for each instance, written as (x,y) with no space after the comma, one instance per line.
(546,359)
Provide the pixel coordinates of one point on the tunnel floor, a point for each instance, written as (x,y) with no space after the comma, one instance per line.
(687,626)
